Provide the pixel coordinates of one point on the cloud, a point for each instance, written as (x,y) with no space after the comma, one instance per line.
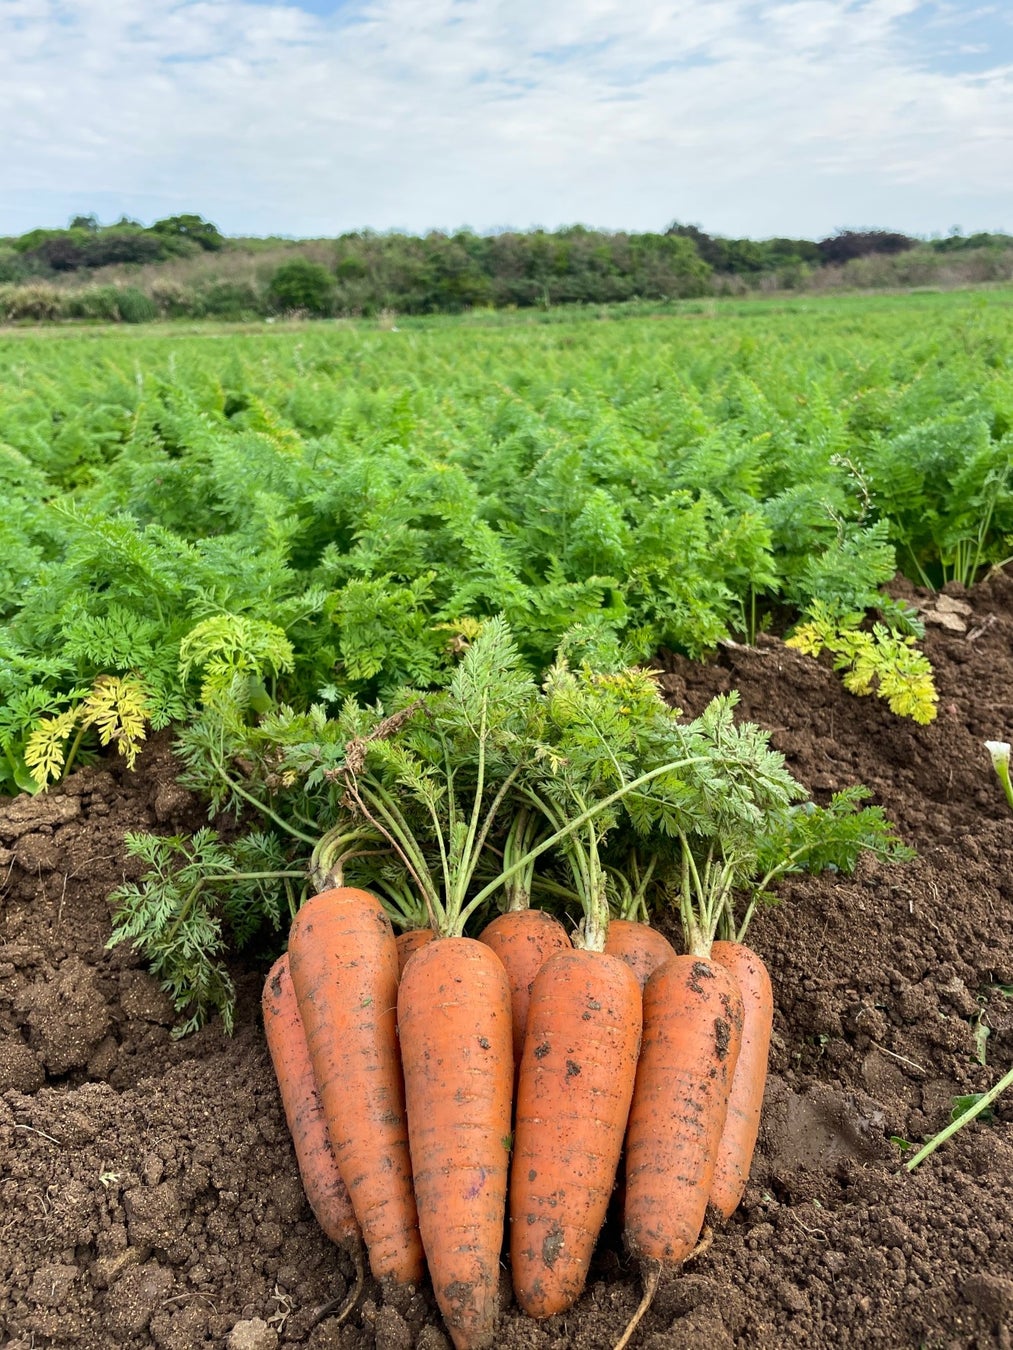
(750,118)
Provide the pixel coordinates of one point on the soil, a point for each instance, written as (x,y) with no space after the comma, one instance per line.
(149,1191)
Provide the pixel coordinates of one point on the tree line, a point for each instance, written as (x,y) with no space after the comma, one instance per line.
(57,273)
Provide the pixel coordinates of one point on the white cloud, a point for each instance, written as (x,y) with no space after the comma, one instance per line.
(749,118)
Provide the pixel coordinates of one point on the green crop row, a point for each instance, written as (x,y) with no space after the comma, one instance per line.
(311,512)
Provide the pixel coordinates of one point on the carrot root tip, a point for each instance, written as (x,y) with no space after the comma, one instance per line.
(652,1271)
(652,1277)
(703,1246)
(340,1310)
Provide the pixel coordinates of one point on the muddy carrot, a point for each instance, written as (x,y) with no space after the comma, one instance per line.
(408,944)
(455,1027)
(642,947)
(692,1034)
(745,1100)
(343,960)
(573,1098)
(286,1040)
(523,939)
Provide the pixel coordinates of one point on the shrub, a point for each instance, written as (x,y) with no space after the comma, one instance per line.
(849,244)
(34,302)
(123,246)
(135,307)
(58,251)
(12,266)
(192,229)
(301,284)
(232,300)
(176,301)
(98,303)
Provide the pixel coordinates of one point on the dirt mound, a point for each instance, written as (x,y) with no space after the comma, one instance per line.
(149,1192)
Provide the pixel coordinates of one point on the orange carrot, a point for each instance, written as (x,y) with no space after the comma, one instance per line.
(692,1033)
(343,961)
(738,1140)
(408,944)
(286,1040)
(642,947)
(573,1098)
(455,1028)
(523,939)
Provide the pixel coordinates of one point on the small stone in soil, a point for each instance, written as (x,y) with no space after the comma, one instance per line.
(253,1334)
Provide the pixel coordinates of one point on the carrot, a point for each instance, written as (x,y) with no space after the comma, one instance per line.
(642,947)
(573,1098)
(408,944)
(523,939)
(286,1041)
(455,1027)
(437,798)
(692,1034)
(738,1140)
(343,961)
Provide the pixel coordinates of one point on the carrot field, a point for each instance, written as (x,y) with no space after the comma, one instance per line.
(697,614)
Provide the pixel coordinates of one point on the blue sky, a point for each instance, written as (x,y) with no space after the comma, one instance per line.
(310,118)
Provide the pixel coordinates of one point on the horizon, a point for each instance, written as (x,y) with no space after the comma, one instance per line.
(496,230)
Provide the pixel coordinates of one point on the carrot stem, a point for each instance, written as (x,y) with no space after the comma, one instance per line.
(332,850)
(572,826)
(394,828)
(704,896)
(240,791)
(980,1105)
(72,752)
(497,802)
(469,851)
(518,840)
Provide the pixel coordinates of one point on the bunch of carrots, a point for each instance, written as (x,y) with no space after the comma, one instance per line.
(437,1083)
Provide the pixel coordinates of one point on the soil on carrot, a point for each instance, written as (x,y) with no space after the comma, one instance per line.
(148,1191)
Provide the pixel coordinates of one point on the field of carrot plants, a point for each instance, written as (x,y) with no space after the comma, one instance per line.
(603,638)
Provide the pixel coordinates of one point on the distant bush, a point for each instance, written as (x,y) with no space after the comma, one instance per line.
(365,274)
(124,246)
(961,243)
(232,300)
(35,301)
(12,266)
(71,250)
(193,228)
(99,303)
(849,244)
(748,257)
(441,273)
(173,300)
(86,244)
(919,267)
(304,285)
(134,306)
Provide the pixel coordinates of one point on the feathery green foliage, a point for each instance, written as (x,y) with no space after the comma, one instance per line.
(333,511)
(879,661)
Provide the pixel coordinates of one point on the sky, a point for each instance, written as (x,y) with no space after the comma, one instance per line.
(313,118)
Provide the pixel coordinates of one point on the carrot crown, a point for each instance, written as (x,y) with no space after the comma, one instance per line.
(437,788)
